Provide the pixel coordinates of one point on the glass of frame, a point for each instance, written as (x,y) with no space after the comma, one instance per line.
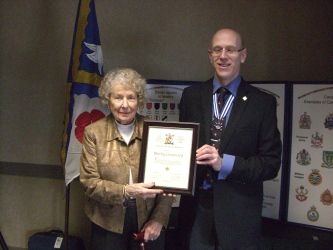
(168,156)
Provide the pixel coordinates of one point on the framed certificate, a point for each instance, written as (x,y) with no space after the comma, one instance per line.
(168,155)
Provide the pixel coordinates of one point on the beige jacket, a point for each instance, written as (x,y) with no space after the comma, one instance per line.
(105,163)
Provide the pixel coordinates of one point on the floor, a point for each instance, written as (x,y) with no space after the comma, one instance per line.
(279,236)
(269,243)
(276,236)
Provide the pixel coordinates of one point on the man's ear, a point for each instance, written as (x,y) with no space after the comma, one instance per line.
(210,57)
(243,55)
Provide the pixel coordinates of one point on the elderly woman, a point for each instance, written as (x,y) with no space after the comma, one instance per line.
(116,204)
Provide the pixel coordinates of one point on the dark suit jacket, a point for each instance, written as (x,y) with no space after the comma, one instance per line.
(252,136)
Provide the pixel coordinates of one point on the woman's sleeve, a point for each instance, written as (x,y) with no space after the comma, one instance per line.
(162,210)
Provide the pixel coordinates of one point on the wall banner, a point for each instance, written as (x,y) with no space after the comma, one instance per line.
(162,99)
(311,163)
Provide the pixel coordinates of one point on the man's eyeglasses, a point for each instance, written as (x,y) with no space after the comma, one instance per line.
(217,51)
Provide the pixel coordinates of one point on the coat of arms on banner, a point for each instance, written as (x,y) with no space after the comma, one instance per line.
(329,121)
(327,159)
(303,157)
(313,214)
(304,121)
(301,193)
(326,197)
(317,140)
(315,177)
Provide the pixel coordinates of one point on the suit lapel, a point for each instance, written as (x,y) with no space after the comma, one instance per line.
(207,104)
(236,113)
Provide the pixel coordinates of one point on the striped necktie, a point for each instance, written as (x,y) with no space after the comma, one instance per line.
(216,130)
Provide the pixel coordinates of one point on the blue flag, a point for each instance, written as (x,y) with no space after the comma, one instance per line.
(84,76)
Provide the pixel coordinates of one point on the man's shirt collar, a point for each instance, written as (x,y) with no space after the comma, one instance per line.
(232,86)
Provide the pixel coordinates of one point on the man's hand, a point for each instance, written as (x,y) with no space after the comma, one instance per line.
(209,155)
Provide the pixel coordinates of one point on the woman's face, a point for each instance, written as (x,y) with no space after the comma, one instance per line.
(123,104)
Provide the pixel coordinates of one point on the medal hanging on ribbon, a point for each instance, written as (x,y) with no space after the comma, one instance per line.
(221,115)
(219,119)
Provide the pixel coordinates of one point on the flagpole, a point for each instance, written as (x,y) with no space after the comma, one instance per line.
(66,238)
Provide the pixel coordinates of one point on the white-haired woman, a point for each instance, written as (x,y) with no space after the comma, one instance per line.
(116,204)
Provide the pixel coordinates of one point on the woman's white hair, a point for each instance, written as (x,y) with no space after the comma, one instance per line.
(126,77)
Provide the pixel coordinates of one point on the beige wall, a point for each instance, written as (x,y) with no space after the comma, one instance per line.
(30,204)
(162,39)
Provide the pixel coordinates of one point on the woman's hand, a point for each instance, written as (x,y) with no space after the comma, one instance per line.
(143,190)
(170,195)
(152,230)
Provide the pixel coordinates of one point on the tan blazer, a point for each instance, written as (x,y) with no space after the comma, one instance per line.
(105,163)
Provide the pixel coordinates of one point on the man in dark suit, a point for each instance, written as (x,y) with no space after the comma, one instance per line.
(240,147)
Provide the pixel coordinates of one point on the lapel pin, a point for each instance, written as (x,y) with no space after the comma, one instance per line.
(244,98)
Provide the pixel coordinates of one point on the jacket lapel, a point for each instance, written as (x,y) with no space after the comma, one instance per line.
(238,107)
(207,104)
